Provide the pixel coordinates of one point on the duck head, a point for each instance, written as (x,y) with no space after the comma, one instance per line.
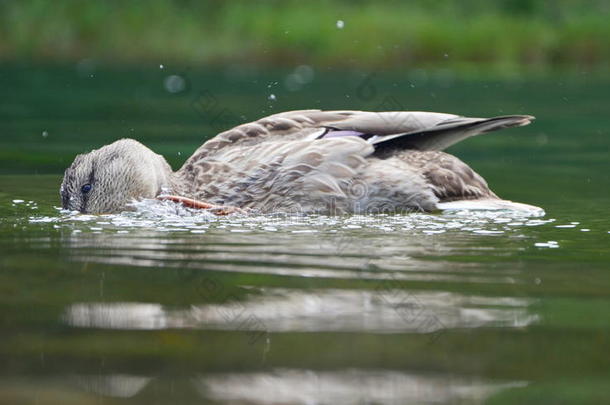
(106,180)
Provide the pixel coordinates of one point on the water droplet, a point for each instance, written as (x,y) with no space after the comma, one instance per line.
(301,75)
(161,67)
(272,97)
(292,82)
(542,139)
(174,84)
(340,24)
(85,67)
(418,76)
(304,73)
(45,134)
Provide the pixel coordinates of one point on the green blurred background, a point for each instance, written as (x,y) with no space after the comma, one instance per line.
(172,73)
(473,36)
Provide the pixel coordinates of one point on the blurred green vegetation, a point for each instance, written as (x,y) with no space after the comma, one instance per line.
(501,36)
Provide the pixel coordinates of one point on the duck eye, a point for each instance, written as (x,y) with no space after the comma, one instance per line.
(86,188)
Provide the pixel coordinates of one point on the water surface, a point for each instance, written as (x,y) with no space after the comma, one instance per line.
(164,305)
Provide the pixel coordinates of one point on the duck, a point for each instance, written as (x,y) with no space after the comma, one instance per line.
(305,161)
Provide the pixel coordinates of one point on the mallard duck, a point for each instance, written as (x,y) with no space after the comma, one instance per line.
(308,161)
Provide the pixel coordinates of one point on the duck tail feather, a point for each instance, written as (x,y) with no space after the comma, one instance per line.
(447,133)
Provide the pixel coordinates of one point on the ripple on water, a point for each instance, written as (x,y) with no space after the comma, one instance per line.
(164,234)
(168,216)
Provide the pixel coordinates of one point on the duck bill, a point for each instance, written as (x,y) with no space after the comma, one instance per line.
(187,202)
(190,203)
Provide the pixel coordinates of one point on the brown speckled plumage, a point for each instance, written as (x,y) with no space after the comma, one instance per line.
(304,161)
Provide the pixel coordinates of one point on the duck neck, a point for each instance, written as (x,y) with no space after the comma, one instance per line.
(175,184)
(164,179)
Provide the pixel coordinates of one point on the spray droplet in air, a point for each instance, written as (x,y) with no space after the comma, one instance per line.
(340,24)
(272,97)
(45,134)
(161,67)
(174,84)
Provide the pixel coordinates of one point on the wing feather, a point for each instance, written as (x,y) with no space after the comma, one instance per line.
(387,131)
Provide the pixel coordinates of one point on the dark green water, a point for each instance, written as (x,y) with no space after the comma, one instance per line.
(151,307)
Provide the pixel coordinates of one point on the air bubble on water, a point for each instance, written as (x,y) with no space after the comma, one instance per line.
(340,24)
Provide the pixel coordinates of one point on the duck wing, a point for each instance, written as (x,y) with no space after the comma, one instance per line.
(386,131)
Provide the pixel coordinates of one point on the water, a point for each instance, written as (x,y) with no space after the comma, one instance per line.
(166,305)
